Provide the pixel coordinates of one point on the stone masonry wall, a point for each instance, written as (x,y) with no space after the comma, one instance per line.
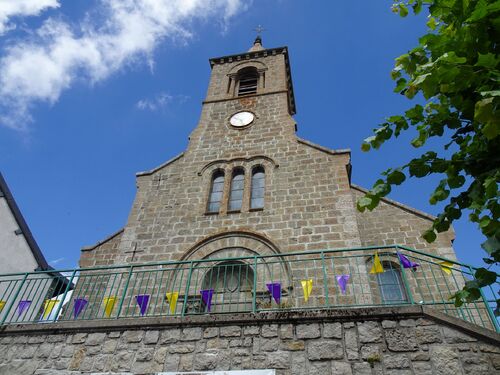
(322,346)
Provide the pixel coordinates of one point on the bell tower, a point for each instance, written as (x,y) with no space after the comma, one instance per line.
(249,101)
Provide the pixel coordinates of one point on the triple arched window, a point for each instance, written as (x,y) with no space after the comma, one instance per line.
(237,192)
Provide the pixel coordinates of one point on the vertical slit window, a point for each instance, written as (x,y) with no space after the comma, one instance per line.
(216,191)
(237,186)
(258,188)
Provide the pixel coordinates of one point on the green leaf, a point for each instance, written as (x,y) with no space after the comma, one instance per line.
(365,146)
(431,23)
(488,60)
(400,85)
(396,178)
(485,277)
(403,10)
(429,236)
(491,245)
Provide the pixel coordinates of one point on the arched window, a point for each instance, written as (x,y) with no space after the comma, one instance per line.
(248,79)
(216,191)
(236,194)
(391,285)
(258,188)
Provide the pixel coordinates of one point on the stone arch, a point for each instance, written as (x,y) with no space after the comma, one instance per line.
(259,65)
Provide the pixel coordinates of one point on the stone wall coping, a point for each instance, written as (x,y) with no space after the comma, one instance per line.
(156,169)
(110,237)
(323,148)
(296,316)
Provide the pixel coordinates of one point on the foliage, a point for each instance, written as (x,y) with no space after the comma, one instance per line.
(455,68)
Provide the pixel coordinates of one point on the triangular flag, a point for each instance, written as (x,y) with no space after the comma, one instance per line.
(407,263)
(206,297)
(109,304)
(2,305)
(446,267)
(80,304)
(275,290)
(142,300)
(172,301)
(342,280)
(22,307)
(377,266)
(307,286)
(48,306)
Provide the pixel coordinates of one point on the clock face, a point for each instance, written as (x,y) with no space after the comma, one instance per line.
(241,119)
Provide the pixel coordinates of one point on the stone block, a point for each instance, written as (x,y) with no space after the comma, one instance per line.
(351,344)
(422,368)
(286,331)
(205,361)
(269,330)
(170,336)
(369,332)
(308,331)
(109,346)
(361,368)
(44,350)
(230,331)
(151,337)
(401,340)
(324,349)
(95,339)
(341,368)
(293,345)
(278,360)
(77,359)
(332,330)
(319,368)
(79,338)
(453,336)
(181,348)
(133,336)
(251,330)
(191,334)
(396,361)
(210,332)
(428,334)
(445,360)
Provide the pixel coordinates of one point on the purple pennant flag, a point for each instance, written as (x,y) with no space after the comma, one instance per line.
(80,304)
(275,290)
(22,307)
(206,297)
(142,301)
(342,280)
(407,263)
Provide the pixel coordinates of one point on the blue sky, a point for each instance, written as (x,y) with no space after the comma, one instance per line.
(92,92)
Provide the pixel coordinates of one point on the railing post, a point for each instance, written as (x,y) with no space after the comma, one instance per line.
(405,280)
(325,279)
(14,299)
(188,285)
(254,294)
(59,307)
(491,315)
(125,288)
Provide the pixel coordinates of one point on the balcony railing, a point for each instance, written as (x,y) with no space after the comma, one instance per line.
(329,279)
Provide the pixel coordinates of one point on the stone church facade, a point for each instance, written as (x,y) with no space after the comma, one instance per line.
(248,207)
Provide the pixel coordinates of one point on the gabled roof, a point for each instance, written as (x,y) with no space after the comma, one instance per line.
(26,232)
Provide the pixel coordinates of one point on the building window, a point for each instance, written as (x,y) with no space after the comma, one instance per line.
(248,79)
(258,187)
(391,285)
(236,193)
(216,191)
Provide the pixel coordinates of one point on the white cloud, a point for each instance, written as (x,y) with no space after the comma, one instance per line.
(22,8)
(39,69)
(160,101)
(56,261)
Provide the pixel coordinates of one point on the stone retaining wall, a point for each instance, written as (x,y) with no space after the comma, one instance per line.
(369,341)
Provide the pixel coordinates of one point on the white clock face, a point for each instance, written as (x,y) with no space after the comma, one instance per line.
(241,119)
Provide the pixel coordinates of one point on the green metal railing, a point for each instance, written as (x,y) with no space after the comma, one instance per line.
(343,278)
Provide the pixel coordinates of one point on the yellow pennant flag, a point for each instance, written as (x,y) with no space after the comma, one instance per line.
(377,266)
(307,286)
(2,305)
(109,304)
(446,267)
(172,301)
(48,306)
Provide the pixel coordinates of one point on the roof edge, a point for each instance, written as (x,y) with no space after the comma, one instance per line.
(398,204)
(106,239)
(323,148)
(156,169)
(33,245)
